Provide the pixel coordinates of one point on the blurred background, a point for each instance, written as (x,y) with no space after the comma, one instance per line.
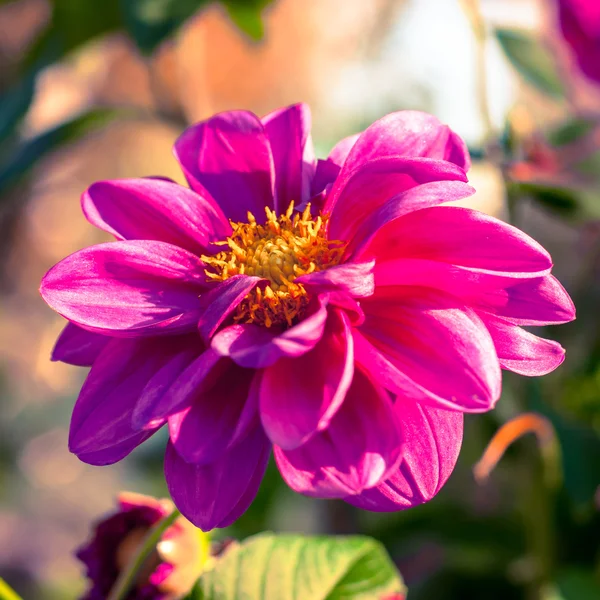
(100,90)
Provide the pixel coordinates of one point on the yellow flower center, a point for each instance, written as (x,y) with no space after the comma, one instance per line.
(281,250)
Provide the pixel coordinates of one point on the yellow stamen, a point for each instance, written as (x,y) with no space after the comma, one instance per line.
(281,250)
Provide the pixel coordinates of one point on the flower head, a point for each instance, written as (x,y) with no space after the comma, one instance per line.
(170,571)
(333,311)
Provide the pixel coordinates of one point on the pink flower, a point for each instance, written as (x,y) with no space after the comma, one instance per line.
(580,26)
(171,570)
(332,310)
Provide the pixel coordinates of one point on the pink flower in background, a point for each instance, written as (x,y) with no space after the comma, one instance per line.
(173,567)
(332,310)
(580,26)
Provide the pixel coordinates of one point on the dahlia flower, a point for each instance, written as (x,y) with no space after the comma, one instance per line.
(171,570)
(331,310)
(580,25)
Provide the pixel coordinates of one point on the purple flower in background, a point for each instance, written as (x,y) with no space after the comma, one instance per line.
(331,310)
(580,26)
(169,572)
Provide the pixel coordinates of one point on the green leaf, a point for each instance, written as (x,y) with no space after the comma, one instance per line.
(281,567)
(570,131)
(562,201)
(16,162)
(533,61)
(577,584)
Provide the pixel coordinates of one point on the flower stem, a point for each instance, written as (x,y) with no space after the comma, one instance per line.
(128,576)
(6,592)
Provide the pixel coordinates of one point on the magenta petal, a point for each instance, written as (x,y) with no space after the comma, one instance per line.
(355,279)
(521,351)
(229,156)
(102,417)
(113,454)
(299,396)
(460,236)
(416,198)
(288,130)
(328,170)
(153,209)
(408,133)
(128,288)
(440,350)
(219,302)
(258,347)
(357,193)
(215,495)
(217,418)
(359,448)
(76,346)
(433,438)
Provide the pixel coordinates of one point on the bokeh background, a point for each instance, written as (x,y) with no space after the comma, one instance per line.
(98,90)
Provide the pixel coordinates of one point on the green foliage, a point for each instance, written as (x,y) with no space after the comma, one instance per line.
(282,567)
(576,584)
(533,61)
(570,131)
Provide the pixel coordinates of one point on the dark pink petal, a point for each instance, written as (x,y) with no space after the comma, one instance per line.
(288,130)
(539,301)
(217,418)
(128,288)
(220,301)
(102,417)
(408,133)
(356,279)
(197,374)
(359,448)
(328,170)
(433,438)
(215,495)
(229,156)
(441,351)
(416,198)
(153,209)
(299,396)
(259,347)
(521,351)
(113,454)
(356,194)
(460,236)
(76,346)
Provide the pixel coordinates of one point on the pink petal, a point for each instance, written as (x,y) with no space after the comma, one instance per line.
(433,349)
(215,495)
(328,170)
(299,396)
(359,448)
(433,439)
(220,301)
(76,346)
(153,209)
(218,417)
(460,236)
(288,130)
(127,288)
(113,454)
(229,156)
(259,347)
(357,193)
(353,278)
(521,351)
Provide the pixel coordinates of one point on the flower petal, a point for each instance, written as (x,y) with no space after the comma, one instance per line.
(433,438)
(76,346)
(299,396)
(218,416)
(229,156)
(359,448)
(437,350)
(355,279)
(215,495)
(154,209)
(127,288)
(258,347)
(328,170)
(357,193)
(288,130)
(521,351)
(460,236)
